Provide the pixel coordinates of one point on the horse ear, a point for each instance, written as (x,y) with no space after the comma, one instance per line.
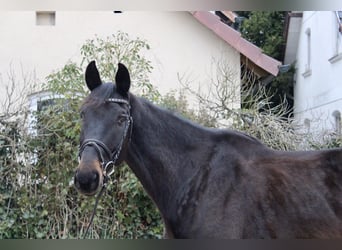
(122,79)
(92,76)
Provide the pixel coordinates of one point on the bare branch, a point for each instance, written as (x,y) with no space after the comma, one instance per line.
(256,116)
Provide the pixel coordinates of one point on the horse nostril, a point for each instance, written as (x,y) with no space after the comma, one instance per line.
(96,177)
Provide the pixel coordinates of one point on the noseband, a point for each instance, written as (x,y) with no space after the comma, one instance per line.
(113,156)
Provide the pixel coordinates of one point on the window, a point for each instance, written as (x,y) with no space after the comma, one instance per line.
(337,36)
(38,102)
(307,69)
(42,105)
(46,18)
(337,122)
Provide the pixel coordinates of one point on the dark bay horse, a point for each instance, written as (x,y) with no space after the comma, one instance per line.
(207,183)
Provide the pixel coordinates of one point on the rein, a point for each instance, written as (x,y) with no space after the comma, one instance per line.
(108,167)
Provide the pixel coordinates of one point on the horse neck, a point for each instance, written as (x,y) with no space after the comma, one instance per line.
(160,151)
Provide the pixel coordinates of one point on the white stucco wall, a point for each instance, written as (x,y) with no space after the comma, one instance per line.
(179,43)
(319,93)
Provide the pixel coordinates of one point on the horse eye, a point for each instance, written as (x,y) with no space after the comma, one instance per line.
(122,119)
(82,115)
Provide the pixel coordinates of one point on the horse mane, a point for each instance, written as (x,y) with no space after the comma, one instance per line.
(182,123)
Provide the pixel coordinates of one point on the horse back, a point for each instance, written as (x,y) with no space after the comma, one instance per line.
(251,191)
(288,194)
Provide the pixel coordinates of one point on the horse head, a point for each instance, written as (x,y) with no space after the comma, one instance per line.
(105,131)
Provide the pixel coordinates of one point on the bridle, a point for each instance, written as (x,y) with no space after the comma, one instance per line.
(108,167)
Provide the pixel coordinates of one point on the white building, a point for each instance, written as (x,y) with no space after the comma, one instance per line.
(318,84)
(181,43)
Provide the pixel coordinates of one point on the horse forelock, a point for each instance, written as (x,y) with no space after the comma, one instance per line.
(98,95)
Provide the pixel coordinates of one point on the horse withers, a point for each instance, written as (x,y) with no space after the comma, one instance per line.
(206,183)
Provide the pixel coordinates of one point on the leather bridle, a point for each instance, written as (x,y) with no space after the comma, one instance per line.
(100,147)
(108,167)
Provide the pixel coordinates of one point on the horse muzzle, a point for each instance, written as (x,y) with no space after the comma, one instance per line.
(88,178)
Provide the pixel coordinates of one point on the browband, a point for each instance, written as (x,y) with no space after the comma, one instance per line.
(117,100)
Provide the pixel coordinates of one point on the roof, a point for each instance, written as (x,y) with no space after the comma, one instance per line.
(252,55)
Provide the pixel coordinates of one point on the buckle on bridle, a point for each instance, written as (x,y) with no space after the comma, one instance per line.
(108,169)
